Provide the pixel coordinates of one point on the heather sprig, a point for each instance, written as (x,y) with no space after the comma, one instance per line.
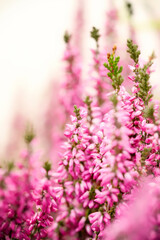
(144,84)
(114,100)
(29,134)
(133,51)
(114,70)
(67,37)
(142,74)
(149,112)
(129,8)
(47,166)
(77,112)
(88,102)
(95,35)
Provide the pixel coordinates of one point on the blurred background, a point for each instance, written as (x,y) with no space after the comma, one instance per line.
(32,47)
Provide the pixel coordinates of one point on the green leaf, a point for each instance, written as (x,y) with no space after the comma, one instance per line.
(29,134)
(95,34)
(67,37)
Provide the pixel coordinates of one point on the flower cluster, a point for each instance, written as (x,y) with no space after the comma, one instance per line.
(28,197)
(138,217)
(108,154)
(107,183)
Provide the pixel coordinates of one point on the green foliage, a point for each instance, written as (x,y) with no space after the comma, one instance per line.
(144,84)
(133,51)
(114,71)
(114,100)
(2,184)
(129,8)
(88,102)
(47,166)
(141,75)
(145,154)
(95,34)
(112,211)
(67,37)
(29,134)
(149,112)
(77,112)
(10,166)
(92,193)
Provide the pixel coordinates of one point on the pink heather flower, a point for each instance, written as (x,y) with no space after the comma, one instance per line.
(15,207)
(139,218)
(98,220)
(132,78)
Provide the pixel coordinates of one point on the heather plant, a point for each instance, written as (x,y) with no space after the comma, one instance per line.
(105,157)
(62,96)
(112,143)
(28,195)
(73,77)
(98,78)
